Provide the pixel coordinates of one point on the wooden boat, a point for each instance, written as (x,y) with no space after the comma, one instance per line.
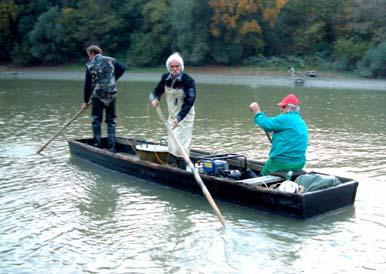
(232,182)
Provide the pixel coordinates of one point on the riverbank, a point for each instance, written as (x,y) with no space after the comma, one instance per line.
(206,75)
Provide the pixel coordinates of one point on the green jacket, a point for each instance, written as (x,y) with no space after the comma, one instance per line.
(290,136)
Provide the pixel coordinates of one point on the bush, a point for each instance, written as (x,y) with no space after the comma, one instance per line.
(227,54)
(21,55)
(373,64)
(48,37)
(348,52)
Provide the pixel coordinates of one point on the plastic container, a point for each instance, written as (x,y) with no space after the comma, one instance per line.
(220,166)
(208,167)
(214,166)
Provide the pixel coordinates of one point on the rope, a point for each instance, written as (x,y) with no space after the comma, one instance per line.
(158,158)
(149,127)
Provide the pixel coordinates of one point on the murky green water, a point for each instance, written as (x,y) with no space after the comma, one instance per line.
(59,214)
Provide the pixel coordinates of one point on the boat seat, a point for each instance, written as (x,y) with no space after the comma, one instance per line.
(261,180)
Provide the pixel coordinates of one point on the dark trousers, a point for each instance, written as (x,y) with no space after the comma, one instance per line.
(97,115)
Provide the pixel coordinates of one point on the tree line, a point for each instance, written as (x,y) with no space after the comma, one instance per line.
(346,35)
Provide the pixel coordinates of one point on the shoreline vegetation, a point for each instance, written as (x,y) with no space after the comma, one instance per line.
(245,75)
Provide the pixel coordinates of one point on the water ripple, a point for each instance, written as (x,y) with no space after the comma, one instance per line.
(59,214)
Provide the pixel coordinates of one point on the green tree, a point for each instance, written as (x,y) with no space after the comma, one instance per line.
(190,21)
(373,64)
(150,44)
(347,52)
(308,27)
(28,13)
(47,38)
(361,25)
(366,20)
(129,12)
(8,28)
(96,22)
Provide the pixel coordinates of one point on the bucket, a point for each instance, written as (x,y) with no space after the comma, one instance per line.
(154,153)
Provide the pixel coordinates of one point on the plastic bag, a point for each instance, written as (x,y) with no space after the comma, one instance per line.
(313,181)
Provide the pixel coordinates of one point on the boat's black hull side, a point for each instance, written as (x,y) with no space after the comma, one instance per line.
(298,205)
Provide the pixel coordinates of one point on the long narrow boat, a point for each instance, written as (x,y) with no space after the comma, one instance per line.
(228,177)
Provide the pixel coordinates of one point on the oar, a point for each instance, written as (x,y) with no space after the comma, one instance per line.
(61,130)
(189,162)
(266,132)
(269,136)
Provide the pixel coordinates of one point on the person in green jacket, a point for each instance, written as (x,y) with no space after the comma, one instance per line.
(289,139)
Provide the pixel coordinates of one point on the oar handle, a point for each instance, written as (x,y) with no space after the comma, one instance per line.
(189,162)
(63,128)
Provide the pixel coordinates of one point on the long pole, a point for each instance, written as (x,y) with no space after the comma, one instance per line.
(268,136)
(61,130)
(189,162)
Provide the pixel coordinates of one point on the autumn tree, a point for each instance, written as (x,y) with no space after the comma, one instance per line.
(235,29)
(272,10)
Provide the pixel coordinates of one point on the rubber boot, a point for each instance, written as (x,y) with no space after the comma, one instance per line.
(111,136)
(111,143)
(97,141)
(96,130)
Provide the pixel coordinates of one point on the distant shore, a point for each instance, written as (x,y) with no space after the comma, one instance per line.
(205,75)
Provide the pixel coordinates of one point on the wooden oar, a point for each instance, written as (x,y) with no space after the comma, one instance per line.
(268,136)
(63,128)
(189,162)
(254,104)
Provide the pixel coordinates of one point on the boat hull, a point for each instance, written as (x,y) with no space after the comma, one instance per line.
(300,205)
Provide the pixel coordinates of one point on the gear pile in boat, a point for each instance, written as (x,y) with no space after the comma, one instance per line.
(218,165)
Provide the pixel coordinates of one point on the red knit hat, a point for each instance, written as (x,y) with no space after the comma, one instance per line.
(289,99)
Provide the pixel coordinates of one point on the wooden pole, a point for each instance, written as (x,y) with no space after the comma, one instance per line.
(268,136)
(61,130)
(190,164)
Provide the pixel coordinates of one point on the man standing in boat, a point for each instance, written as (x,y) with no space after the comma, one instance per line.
(289,139)
(101,74)
(180,92)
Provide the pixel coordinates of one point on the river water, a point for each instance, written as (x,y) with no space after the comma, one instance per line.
(60,214)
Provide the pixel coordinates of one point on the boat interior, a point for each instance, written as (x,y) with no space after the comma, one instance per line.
(232,171)
(229,166)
